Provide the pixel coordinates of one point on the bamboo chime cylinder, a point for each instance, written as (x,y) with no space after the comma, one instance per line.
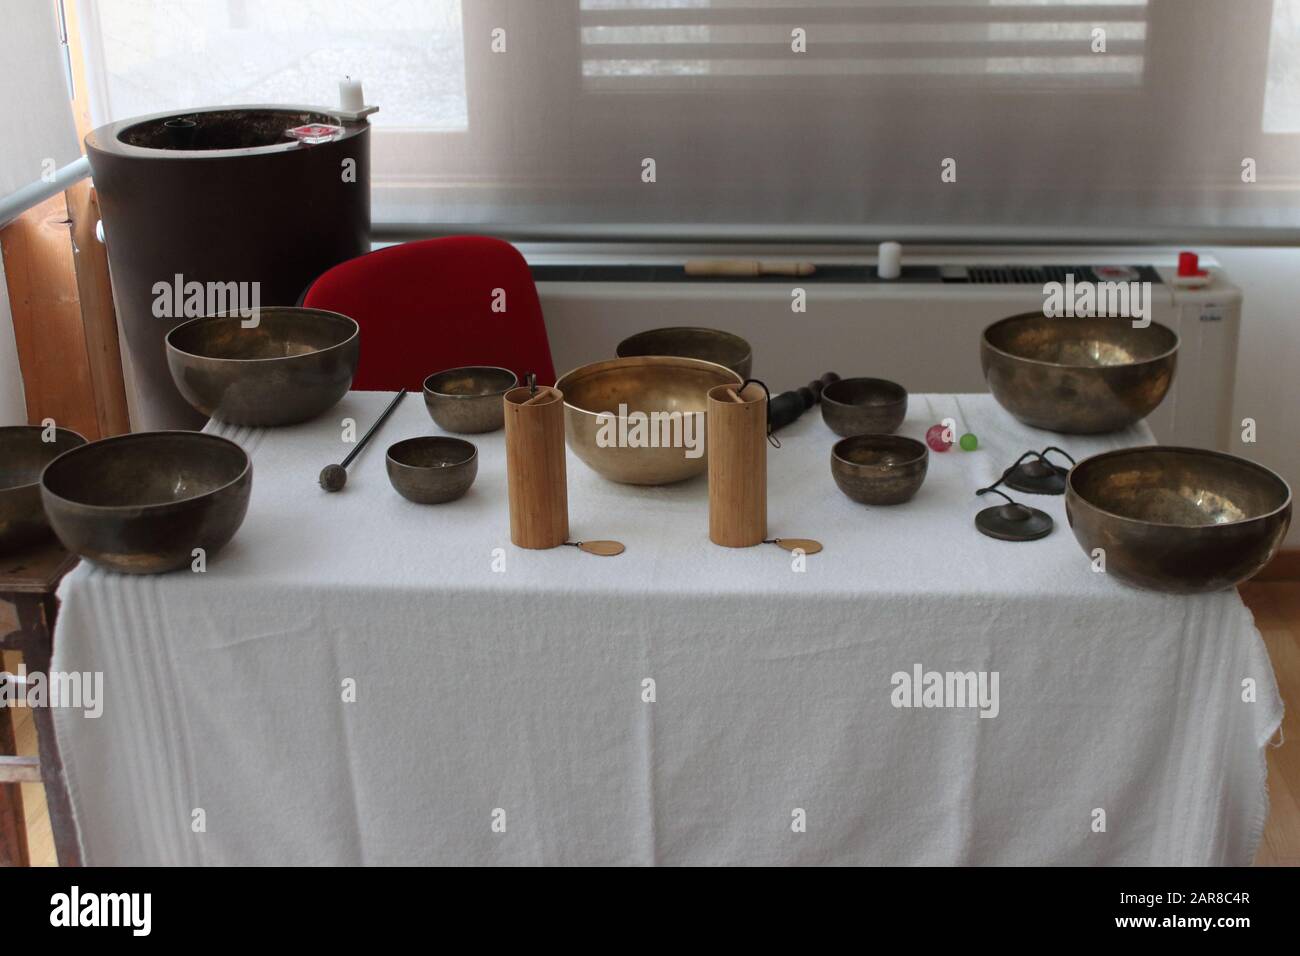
(737,444)
(535,475)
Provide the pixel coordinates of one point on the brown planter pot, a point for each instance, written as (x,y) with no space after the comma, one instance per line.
(228,199)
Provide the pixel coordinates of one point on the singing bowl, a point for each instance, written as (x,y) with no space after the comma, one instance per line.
(863,406)
(1080,376)
(676,388)
(1184,520)
(432,469)
(23,455)
(141,503)
(468,400)
(879,469)
(709,345)
(292,366)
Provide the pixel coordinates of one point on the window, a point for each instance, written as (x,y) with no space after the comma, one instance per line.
(156,55)
(537,116)
(1282,94)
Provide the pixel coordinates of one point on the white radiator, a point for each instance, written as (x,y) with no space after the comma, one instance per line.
(921,330)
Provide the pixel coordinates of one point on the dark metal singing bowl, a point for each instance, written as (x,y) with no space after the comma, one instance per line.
(292,366)
(708,345)
(1078,375)
(1184,520)
(863,406)
(879,469)
(432,469)
(23,455)
(141,503)
(468,400)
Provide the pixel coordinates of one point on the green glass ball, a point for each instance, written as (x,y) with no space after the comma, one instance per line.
(969,442)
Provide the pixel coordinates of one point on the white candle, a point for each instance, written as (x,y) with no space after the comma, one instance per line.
(889,261)
(350,96)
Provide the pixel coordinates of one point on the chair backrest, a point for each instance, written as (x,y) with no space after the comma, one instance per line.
(435,304)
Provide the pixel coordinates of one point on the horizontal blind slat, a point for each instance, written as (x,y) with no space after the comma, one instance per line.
(853,51)
(805,16)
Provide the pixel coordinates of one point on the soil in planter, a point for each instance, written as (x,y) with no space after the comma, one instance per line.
(222,129)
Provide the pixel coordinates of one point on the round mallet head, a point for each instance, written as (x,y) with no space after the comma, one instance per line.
(333,477)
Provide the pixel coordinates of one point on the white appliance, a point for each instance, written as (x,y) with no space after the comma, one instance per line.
(921,330)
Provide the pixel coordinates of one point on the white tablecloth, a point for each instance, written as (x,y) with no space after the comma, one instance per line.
(500,714)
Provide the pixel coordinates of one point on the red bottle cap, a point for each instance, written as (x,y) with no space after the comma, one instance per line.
(1189,264)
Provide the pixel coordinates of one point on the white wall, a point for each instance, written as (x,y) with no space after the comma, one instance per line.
(1268,358)
(13,405)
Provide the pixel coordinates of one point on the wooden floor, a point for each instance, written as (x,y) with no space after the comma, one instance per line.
(1277,613)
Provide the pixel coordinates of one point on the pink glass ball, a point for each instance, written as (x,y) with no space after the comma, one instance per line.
(936,438)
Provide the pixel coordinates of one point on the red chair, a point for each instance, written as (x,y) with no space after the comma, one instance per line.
(435,304)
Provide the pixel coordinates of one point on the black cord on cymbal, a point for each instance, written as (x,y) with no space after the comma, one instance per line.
(1007,472)
(994,489)
(1060,451)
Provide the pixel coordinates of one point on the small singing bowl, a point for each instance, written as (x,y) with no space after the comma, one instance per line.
(1182,520)
(642,420)
(431,469)
(1079,376)
(289,367)
(863,406)
(468,400)
(879,469)
(142,503)
(708,345)
(23,455)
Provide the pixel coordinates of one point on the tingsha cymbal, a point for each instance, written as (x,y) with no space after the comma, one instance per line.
(1037,477)
(1014,522)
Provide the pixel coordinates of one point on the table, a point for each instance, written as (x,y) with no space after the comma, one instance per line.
(357,679)
(28,580)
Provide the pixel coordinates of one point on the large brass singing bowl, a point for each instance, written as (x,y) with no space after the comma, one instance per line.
(603,428)
(23,454)
(1079,376)
(290,367)
(711,345)
(141,503)
(1184,520)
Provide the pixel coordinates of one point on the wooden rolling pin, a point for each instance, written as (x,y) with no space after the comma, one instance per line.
(747,267)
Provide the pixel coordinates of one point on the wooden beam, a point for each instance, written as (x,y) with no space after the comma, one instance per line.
(13,822)
(20,770)
(98,318)
(41,274)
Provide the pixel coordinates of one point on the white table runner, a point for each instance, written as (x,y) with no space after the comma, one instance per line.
(499,713)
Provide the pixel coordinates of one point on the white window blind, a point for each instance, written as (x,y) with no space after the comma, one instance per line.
(538,116)
(740,44)
(39,135)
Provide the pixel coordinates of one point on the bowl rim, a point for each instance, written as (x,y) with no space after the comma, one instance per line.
(631,361)
(739,340)
(136,436)
(985,343)
(41,428)
(905,440)
(839,403)
(465,368)
(434,439)
(1073,492)
(219,316)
